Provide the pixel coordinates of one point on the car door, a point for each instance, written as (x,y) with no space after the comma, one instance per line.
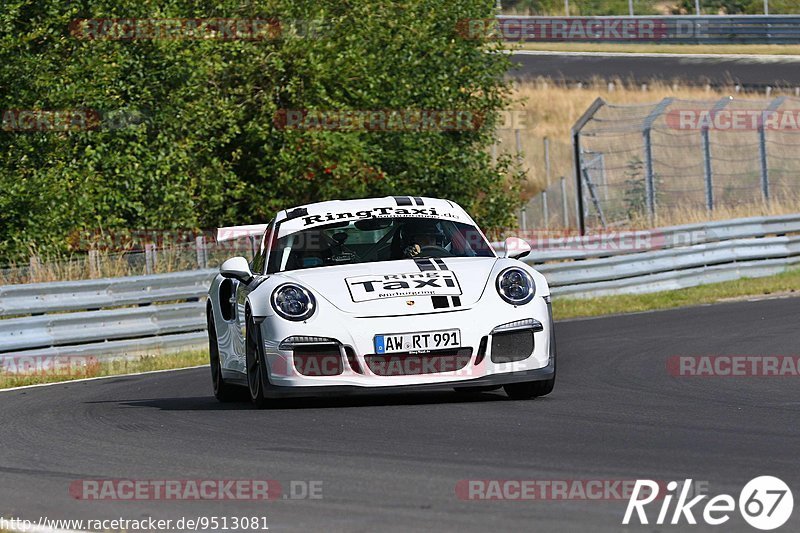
(242,292)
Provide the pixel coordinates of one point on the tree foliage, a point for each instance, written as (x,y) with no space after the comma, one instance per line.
(188,137)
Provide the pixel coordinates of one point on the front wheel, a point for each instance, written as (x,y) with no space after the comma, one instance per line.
(530,389)
(533,389)
(254,359)
(223,392)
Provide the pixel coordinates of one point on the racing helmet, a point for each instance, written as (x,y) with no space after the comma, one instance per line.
(422,226)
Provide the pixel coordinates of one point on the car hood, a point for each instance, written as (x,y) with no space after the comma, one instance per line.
(404,287)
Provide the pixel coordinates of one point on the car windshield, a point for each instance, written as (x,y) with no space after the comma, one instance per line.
(376,239)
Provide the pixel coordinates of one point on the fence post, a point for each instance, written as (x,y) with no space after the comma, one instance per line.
(576,161)
(150,258)
(545,211)
(202,257)
(34,266)
(762,147)
(523,215)
(564,203)
(709,180)
(547,161)
(649,178)
(94,263)
(708,173)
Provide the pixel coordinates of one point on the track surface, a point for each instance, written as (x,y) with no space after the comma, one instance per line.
(717,71)
(392,462)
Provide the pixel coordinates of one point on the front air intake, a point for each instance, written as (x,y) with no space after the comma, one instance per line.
(318,360)
(419,364)
(512,346)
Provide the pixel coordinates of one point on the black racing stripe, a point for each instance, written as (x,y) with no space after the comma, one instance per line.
(440,302)
(403,200)
(418,200)
(443,266)
(424,265)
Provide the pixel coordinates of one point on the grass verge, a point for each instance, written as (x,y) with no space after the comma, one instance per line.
(21,372)
(786,283)
(755,49)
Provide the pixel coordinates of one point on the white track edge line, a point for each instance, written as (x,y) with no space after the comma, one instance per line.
(67,382)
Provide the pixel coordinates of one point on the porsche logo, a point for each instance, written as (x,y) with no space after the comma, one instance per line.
(409,302)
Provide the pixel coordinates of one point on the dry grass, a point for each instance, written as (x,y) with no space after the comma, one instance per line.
(788,204)
(551,109)
(68,369)
(108,264)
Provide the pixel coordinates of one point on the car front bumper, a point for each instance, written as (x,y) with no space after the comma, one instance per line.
(355,337)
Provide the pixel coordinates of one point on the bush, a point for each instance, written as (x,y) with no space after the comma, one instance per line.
(188,136)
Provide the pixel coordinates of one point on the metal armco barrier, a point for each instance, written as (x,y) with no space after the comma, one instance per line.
(105,318)
(642,261)
(100,293)
(116,317)
(710,29)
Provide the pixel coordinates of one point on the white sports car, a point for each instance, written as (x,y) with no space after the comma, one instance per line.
(378,294)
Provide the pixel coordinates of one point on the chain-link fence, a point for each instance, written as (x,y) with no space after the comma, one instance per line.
(678,159)
(133,254)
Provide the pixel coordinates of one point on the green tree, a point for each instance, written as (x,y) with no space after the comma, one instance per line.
(188,136)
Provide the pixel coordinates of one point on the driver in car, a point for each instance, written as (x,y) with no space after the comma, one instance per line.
(420,234)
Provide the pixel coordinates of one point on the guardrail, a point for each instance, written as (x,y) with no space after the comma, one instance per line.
(711,29)
(117,317)
(623,262)
(104,317)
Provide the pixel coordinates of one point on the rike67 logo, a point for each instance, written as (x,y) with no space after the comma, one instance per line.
(765,503)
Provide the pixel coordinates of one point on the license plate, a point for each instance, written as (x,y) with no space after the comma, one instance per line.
(418,342)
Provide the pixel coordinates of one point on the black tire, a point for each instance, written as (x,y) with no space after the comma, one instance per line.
(224,392)
(254,359)
(534,389)
(530,389)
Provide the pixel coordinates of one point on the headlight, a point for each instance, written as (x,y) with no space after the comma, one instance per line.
(293,302)
(516,286)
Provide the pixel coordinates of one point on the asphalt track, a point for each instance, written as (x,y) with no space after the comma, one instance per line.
(391,462)
(725,71)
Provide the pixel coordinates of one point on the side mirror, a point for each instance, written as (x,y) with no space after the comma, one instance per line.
(236,268)
(516,248)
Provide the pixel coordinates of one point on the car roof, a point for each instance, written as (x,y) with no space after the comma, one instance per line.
(296,218)
(408,205)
